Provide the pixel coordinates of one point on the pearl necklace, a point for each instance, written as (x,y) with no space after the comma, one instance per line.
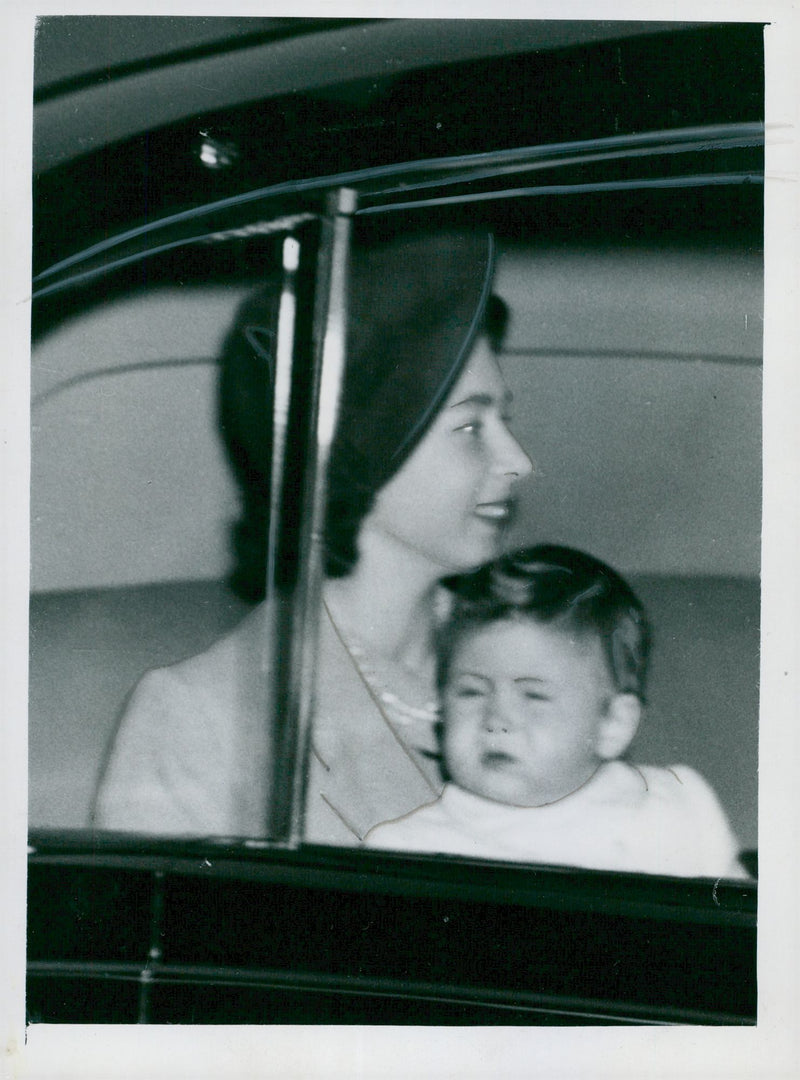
(402,712)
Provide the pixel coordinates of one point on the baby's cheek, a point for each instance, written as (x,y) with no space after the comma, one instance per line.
(459,748)
(534,741)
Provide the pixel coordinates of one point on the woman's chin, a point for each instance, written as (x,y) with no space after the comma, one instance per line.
(473,555)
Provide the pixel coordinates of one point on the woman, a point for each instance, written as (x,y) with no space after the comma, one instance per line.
(421,483)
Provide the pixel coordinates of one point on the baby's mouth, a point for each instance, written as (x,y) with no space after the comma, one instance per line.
(496,759)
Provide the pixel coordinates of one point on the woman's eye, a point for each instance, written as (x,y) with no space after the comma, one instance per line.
(472,427)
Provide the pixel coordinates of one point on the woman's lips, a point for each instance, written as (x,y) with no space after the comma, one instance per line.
(497,512)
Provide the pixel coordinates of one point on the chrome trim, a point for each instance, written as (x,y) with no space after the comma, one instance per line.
(282,384)
(699,180)
(520,1000)
(278,627)
(486,163)
(295,651)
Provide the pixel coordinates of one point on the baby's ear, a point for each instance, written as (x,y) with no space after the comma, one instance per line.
(618,726)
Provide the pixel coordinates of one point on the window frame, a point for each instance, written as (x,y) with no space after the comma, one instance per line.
(142,918)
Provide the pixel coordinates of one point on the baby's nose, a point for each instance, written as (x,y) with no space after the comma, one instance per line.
(499,720)
(494,726)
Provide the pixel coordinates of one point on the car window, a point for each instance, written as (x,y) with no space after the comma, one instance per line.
(140,514)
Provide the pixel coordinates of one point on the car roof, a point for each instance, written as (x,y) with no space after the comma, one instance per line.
(123,75)
(131,110)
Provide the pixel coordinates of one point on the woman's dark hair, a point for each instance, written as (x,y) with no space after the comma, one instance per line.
(416,306)
(560,587)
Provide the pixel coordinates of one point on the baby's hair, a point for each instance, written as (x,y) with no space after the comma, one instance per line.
(560,587)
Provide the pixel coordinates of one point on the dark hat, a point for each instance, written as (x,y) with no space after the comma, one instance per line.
(416,306)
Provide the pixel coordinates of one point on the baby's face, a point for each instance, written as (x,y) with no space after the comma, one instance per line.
(524,708)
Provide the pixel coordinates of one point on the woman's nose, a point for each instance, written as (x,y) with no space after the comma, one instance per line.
(511,459)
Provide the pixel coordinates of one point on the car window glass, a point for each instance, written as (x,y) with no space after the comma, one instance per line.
(136,510)
(646,337)
(133,501)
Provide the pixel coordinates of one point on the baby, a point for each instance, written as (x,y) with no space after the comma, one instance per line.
(541,673)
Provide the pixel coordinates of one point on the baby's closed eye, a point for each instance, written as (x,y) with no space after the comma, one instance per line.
(470,691)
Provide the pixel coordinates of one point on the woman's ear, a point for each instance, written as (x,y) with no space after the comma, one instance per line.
(618,726)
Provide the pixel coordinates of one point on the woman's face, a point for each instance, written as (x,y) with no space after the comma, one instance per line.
(450,503)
